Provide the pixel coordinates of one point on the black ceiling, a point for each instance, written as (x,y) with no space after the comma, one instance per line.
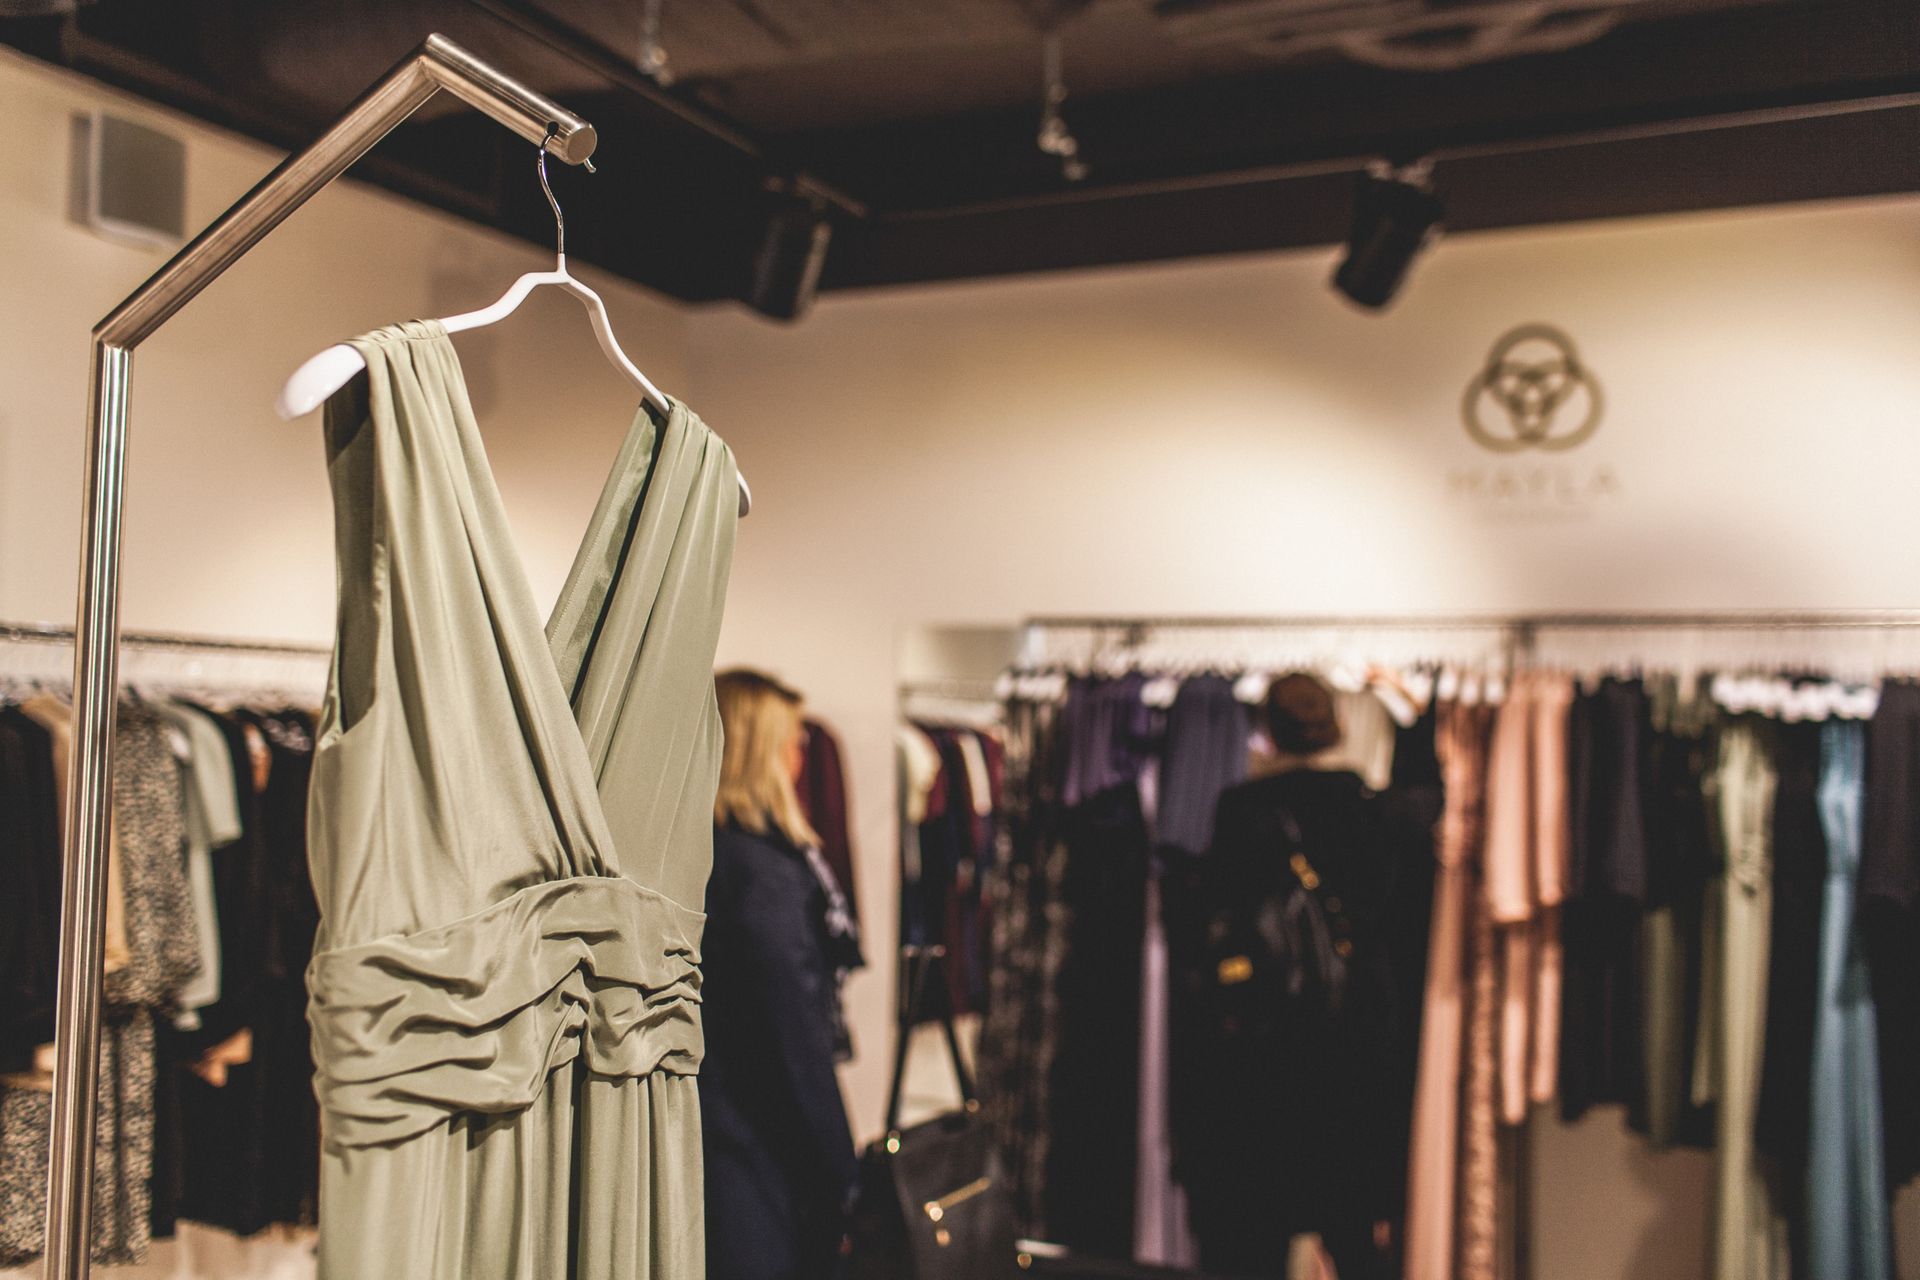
(1207,126)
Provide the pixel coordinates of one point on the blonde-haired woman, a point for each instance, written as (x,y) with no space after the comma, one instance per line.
(779,1155)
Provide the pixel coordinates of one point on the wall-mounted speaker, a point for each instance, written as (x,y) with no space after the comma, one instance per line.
(129,181)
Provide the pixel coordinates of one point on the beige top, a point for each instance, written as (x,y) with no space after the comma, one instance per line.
(1526,875)
(56,717)
(1527,823)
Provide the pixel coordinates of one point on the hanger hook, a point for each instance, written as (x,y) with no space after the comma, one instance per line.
(559,219)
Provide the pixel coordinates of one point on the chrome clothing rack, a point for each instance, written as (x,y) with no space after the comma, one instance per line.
(438,64)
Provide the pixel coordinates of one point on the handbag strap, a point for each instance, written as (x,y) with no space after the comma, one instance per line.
(1296,851)
(919,964)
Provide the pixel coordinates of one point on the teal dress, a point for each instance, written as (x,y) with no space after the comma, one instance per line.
(510,833)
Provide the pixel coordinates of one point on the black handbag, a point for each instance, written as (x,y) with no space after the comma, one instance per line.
(1273,949)
(933,1204)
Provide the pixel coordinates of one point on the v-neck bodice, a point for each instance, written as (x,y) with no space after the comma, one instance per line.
(510,831)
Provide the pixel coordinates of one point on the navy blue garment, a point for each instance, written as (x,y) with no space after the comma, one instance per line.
(780,1163)
(1205,753)
(1110,734)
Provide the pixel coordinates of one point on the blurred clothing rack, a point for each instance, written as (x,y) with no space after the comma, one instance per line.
(1805,618)
(1862,642)
(1763,618)
(974,702)
(50,633)
(954,689)
(39,655)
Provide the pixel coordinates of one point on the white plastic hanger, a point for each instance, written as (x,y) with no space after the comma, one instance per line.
(315,381)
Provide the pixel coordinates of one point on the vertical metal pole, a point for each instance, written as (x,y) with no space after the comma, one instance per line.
(83,904)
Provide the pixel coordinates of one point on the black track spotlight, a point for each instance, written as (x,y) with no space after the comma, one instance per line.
(793,249)
(1395,215)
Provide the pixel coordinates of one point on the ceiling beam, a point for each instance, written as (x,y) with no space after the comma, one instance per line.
(1826,157)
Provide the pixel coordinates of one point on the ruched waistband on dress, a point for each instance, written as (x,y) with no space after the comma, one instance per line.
(473,1016)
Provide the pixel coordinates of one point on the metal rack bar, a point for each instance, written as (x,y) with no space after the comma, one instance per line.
(438,64)
(1305,621)
(53,633)
(950,687)
(1804,619)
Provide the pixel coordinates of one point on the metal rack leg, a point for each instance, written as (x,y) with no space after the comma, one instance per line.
(88,810)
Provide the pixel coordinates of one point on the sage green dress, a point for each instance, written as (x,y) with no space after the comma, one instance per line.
(510,835)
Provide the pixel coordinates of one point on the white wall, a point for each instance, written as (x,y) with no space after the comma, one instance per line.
(1227,437)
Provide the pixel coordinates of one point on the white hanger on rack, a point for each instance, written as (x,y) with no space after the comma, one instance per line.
(315,381)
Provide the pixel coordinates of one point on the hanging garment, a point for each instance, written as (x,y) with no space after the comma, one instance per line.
(1526,860)
(1516,962)
(1479,1225)
(30,910)
(822,787)
(1162,1233)
(1367,736)
(162,956)
(510,836)
(223,1155)
(1020,1033)
(917,767)
(1782,1114)
(1889,906)
(1110,732)
(1680,863)
(283,745)
(213,820)
(1552,834)
(122,1150)
(1601,1058)
(1847,1226)
(1204,754)
(1094,1078)
(56,717)
(950,852)
(1460,742)
(1749,1235)
(29,941)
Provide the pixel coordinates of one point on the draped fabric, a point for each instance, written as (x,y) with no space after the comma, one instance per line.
(510,836)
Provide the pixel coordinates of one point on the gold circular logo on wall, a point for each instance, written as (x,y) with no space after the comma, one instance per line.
(1533,393)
